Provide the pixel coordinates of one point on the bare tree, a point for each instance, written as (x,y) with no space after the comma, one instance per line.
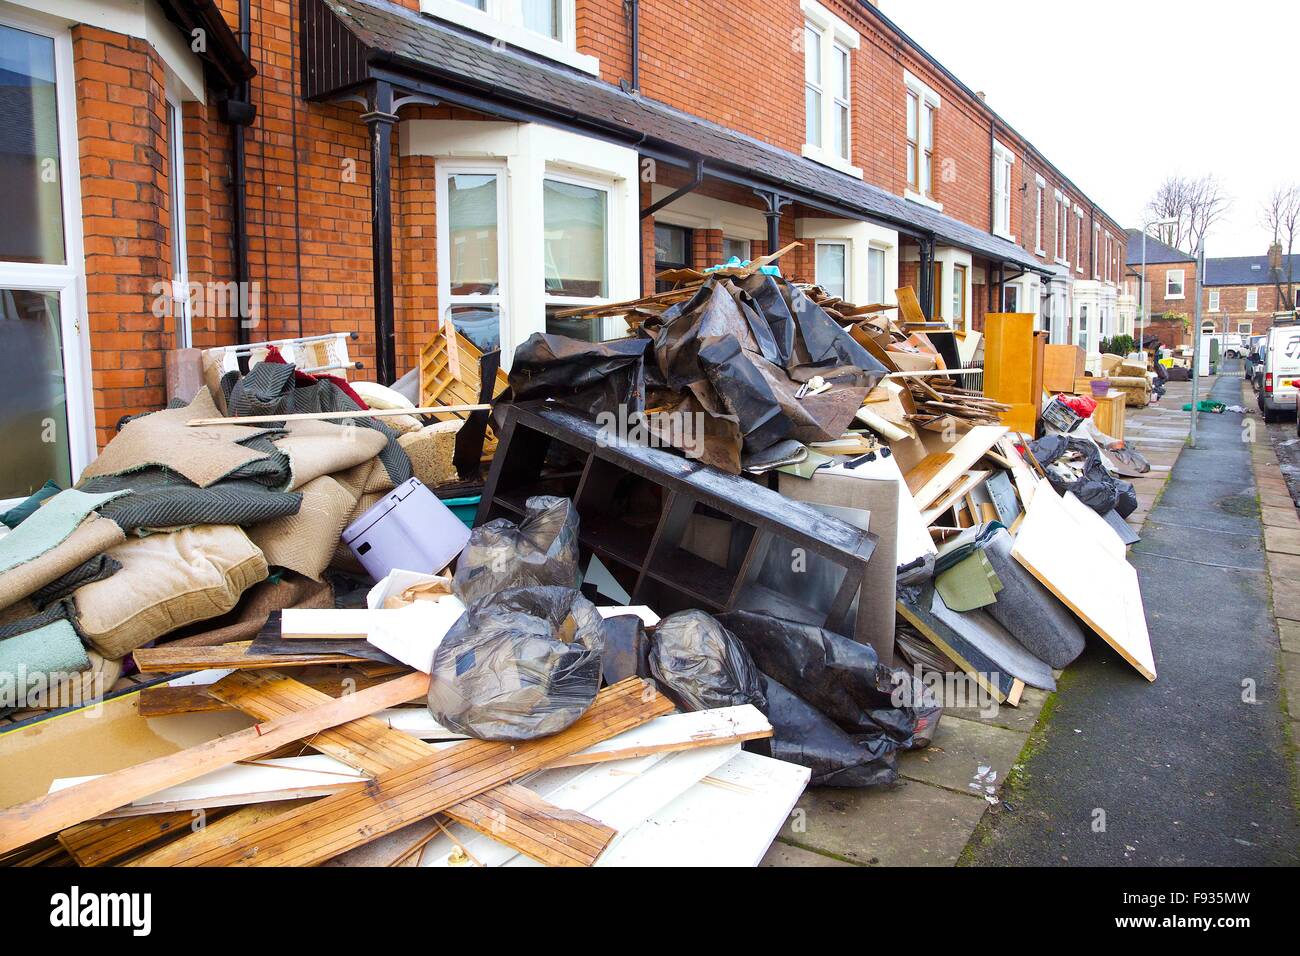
(1195,205)
(1280,214)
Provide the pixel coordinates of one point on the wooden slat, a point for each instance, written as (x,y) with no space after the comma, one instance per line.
(164,701)
(219,833)
(98,842)
(172,660)
(333,825)
(511,814)
(46,815)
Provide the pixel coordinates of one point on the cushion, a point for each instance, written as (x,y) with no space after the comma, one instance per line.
(15,515)
(432,450)
(167,581)
(382,397)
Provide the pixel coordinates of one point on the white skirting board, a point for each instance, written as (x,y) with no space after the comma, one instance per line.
(261,781)
(715,806)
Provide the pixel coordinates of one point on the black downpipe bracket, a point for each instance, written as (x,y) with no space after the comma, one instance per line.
(380,119)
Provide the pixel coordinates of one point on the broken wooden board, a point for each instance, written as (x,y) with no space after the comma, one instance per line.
(518,819)
(46,815)
(98,842)
(962,456)
(219,833)
(965,485)
(333,825)
(1085,574)
(923,473)
(171,660)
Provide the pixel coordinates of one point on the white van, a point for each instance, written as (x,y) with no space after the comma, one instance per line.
(1281,371)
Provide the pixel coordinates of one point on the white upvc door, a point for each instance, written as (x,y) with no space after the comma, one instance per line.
(46,409)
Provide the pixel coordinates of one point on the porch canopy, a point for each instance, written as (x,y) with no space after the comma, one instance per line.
(386,54)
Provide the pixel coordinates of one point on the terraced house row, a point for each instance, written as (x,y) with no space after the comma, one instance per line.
(196,173)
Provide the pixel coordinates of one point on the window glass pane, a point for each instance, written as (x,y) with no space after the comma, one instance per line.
(585,330)
(911,165)
(472,233)
(574,244)
(180,268)
(671,246)
(31,195)
(812,113)
(842,132)
(831,268)
(812,56)
(875,276)
(927,128)
(480,322)
(476,4)
(911,117)
(543,16)
(34,412)
(739,248)
(840,80)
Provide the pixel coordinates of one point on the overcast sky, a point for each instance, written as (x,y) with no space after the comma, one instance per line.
(1188,87)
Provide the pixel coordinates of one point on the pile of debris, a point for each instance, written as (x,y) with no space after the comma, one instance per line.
(749,548)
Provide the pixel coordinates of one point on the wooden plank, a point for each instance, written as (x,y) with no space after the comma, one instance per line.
(219,833)
(1087,577)
(335,416)
(98,842)
(706,728)
(909,307)
(513,815)
(169,659)
(43,816)
(333,825)
(964,486)
(969,449)
(167,699)
(925,470)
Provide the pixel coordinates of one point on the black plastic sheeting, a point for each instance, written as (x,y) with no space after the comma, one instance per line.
(519,664)
(587,377)
(542,550)
(1098,488)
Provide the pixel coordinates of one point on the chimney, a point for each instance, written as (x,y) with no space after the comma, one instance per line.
(980,94)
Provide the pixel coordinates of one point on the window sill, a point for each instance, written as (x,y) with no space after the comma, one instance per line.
(1004,235)
(1174,298)
(923,200)
(819,155)
(1041,252)
(512,34)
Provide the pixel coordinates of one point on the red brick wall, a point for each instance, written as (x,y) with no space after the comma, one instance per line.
(1232,307)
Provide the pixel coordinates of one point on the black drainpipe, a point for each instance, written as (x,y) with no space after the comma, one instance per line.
(238,112)
(632,12)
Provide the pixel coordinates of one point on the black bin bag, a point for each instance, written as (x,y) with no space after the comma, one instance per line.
(700,664)
(840,677)
(519,664)
(540,551)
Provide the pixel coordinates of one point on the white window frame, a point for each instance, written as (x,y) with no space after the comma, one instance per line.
(504,20)
(607,187)
(1108,256)
(1040,189)
(1062,221)
(1078,239)
(1252,300)
(883,250)
(847,246)
(835,35)
(66,281)
(1003,161)
(924,97)
(470,167)
(182,303)
(1214,301)
(1096,249)
(749,246)
(1182,283)
(1246,329)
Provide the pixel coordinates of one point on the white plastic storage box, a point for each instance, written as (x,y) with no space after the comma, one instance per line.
(410,528)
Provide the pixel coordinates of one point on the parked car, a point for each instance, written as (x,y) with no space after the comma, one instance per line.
(1280,371)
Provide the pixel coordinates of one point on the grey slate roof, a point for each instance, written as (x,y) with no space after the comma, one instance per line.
(1246,270)
(1157,252)
(433,49)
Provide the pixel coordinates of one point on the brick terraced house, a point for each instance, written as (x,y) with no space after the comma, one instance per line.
(203,172)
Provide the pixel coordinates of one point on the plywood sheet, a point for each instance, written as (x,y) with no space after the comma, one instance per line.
(1070,561)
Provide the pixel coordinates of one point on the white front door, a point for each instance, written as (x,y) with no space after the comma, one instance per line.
(46,414)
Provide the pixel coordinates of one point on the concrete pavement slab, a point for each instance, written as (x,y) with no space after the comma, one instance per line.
(782,854)
(1289,633)
(967,756)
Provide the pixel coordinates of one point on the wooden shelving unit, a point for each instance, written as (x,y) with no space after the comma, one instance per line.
(636,506)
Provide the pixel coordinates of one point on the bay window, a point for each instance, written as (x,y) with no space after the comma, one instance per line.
(833,268)
(575,252)
(45,417)
(471,244)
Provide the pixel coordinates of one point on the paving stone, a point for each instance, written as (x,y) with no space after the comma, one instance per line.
(1280,517)
(1283,568)
(1286,601)
(783,854)
(1291,681)
(968,756)
(1276,501)
(908,824)
(1020,718)
(1284,540)
(1289,634)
